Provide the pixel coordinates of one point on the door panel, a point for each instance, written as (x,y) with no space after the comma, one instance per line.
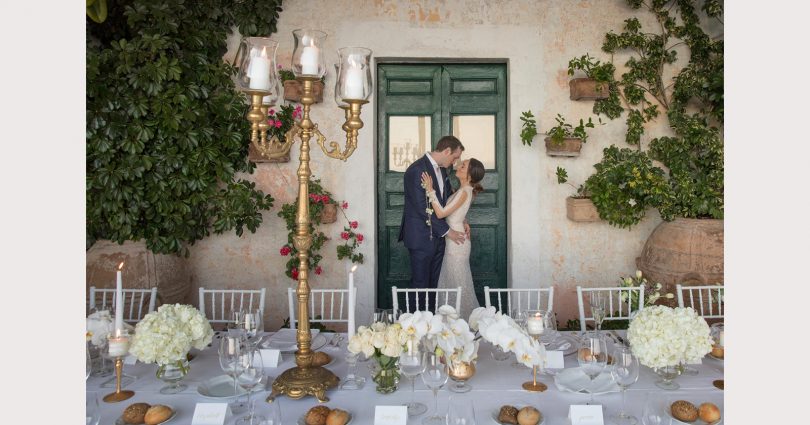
(417,104)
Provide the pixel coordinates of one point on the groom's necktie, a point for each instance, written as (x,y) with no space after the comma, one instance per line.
(440,180)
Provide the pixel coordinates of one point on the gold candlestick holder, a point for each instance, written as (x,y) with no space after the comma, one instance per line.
(533,385)
(118,343)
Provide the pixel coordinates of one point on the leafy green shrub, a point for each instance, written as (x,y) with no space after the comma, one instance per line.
(529,129)
(166,132)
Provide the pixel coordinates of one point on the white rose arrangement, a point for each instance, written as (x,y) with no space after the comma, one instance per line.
(383,343)
(661,336)
(502,331)
(165,336)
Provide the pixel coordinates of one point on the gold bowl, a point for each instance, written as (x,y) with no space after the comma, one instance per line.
(460,373)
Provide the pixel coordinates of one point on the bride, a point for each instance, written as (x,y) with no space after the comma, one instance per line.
(456,264)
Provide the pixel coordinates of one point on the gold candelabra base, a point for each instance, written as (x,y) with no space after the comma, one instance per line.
(534,386)
(300,382)
(118,395)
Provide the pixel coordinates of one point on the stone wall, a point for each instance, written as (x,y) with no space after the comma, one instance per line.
(537,38)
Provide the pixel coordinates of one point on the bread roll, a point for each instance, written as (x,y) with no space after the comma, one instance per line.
(718,351)
(508,415)
(134,413)
(337,417)
(157,414)
(685,411)
(317,415)
(709,413)
(528,416)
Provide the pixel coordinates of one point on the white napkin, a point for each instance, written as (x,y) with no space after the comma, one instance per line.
(575,380)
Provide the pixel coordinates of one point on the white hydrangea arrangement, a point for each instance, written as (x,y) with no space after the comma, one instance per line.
(501,330)
(165,336)
(662,336)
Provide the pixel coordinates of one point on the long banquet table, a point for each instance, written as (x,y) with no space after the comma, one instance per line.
(494,384)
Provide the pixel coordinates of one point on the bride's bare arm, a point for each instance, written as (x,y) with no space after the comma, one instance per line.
(442,212)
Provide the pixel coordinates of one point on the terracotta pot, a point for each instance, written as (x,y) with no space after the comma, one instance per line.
(293,90)
(581,209)
(570,146)
(142,269)
(686,251)
(329,214)
(588,89)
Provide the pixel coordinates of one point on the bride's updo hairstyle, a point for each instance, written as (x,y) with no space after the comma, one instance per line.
(476,171)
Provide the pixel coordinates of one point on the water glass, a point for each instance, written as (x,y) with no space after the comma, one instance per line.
(592,357)
(434,377)
(250,375)
(412,364)
(460,411)
(352,381)
(230,349)
(625,373)
(652,413)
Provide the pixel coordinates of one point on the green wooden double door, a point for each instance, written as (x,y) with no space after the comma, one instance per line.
(416,105)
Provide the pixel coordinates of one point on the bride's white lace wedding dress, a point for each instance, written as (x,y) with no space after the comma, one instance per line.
(456,264)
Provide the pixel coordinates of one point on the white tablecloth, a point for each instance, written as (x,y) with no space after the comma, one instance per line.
(494,384)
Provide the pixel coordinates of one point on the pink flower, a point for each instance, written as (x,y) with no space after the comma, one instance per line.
(359,238)
(271,112)
(270,122)
(313,197)
(353,224)
(297,111)
(325,199)
(345,205)
(318,270)
(285,250)
(344,236)
(278,124)
(294,273)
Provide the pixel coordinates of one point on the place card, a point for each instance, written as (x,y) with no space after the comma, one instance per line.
(210,414)
(390,415)
(585,415)
(555,360)
(130,359)
(270,357)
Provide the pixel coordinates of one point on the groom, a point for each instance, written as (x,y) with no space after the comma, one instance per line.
(426,243)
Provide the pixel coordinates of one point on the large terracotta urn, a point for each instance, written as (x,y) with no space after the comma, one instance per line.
(142,269)
(686,251)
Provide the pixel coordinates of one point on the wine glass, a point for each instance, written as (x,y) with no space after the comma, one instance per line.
(91,408)
(652,413)
(411,364)
(434,377)
(252,321)
(598,308)
(230,349)
(250,375)
(460,411)
(625,373)
(592,357)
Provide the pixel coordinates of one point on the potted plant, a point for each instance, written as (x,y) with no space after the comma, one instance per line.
(165,136)
(280,121)
(688,246)
(579,206)
(566,140)
(293,88)
(597,81)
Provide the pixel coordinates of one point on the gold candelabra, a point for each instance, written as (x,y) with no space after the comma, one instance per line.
(257,78)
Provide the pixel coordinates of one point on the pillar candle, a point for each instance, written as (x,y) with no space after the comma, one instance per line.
(534,325)
(353,84)
(309,60)
(352,301)
(118,346)
(259,73)
(119,301)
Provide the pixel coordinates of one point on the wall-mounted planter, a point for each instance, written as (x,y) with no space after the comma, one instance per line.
(329,214)
(570,146)
(588,89)
(581,209)
(293,90)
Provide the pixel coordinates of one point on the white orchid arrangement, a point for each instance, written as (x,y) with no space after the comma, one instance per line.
(652,291)
(662,336)
(165,336)
(501,330)
(98,326)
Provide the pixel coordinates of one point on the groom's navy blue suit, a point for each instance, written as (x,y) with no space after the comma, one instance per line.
(426,254)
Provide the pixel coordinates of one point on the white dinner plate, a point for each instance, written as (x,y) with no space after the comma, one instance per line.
(566,343)
(284,341)
(303,419)
(575,380)
(220,387)
(497,411)
(694,399)
(120,420)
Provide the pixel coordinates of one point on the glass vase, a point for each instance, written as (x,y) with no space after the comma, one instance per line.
(99,363)
(172,374)
(385,373)
(667,377)
(460,372)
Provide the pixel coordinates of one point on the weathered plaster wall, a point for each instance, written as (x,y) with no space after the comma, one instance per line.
(537,38)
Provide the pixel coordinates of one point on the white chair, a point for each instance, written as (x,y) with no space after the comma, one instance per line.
(707,300)
(617,309)
(523,299)
(326,303)
(218,304)
(137,302)
(437,292)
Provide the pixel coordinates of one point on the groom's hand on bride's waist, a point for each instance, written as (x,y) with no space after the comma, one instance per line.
(456,236)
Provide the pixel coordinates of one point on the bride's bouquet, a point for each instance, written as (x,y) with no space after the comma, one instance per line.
(165,336)
(503,332)
(661,336)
